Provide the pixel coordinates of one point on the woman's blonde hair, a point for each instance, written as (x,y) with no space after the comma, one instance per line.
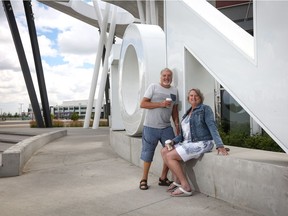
(198,92)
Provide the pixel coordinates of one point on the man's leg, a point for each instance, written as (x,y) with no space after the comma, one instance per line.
(146,168)
(165,171)
(144,181)
(167,133)
(149,143)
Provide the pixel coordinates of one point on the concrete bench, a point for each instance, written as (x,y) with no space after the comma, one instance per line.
(15,157)
(253,179)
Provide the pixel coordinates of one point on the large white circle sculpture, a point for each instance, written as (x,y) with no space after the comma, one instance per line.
(142,58)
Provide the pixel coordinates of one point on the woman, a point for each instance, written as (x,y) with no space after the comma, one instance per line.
(198,134)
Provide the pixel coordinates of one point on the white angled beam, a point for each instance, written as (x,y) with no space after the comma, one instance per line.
(153,12)
(141,11)
(148,14)
(105,70)
(96,68)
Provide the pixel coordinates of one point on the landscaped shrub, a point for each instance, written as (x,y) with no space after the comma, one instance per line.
(242,139)
(103,123)
(75,124)
(264,142)
(57,123)
(33,124)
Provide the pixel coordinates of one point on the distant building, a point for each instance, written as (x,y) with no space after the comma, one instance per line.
(67,108)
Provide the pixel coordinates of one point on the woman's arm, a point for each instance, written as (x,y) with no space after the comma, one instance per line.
(211,124)
(210,121)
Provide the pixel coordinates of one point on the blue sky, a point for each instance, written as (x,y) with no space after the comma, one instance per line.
(68,51)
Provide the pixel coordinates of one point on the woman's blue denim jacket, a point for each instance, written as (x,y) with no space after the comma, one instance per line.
(202,126)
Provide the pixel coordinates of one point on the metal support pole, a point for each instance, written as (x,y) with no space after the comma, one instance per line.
(23,62)
(38,64)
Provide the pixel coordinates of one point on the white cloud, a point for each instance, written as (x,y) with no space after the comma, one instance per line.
(47,46)
(67,46)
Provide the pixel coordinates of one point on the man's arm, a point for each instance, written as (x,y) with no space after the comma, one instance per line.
(147,104)
(175,117)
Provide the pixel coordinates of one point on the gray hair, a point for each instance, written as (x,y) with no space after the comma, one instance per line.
(166,69)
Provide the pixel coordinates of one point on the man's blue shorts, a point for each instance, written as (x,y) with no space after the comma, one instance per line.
(150,139)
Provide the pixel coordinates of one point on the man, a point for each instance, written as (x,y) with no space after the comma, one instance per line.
(157,124)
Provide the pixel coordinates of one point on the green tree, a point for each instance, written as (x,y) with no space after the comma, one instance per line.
(52,116)
(74,116)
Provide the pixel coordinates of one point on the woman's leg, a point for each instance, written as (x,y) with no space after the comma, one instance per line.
(172,159)
(164,152)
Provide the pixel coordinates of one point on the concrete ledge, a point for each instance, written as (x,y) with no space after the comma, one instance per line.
(253,179)
(14,158)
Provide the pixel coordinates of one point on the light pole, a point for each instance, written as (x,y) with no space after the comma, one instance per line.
(21,107)
(79,110)
(57,109)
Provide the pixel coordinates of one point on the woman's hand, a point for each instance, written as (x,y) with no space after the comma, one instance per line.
(222,150)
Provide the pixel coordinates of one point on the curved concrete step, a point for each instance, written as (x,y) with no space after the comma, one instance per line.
(15,157)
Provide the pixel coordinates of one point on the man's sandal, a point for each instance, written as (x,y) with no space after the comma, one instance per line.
(164,182)
(143,184)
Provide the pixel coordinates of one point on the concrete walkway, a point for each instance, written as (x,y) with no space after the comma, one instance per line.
(80,175)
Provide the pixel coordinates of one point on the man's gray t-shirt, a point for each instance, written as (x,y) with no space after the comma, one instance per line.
(160,117)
